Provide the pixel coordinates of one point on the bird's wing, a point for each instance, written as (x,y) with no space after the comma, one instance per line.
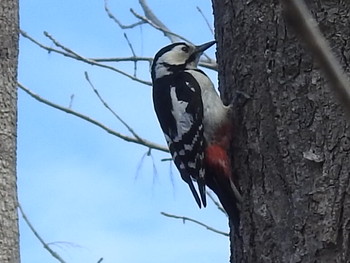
(180,113)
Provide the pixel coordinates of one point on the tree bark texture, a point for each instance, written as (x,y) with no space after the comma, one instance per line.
(9,238)
(292,140)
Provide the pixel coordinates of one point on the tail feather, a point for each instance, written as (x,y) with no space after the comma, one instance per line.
(227,198)
(202,192)
(194,192)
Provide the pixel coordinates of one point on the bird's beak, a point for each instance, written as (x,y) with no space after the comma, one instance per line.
(203,47)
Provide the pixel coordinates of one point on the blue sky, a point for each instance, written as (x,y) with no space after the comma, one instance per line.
(88,193)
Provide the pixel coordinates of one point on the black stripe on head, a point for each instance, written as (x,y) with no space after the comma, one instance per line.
(193,57)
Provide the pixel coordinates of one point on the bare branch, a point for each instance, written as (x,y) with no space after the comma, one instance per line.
(143,142)
(301,19)
(218,205)
(111,16)
(184,219)
(49,49)
(41,240)
(164,30)
(167,31)
(86,60)
(152,17)
(68,50)
(110,109)
(123,59)
(71,54)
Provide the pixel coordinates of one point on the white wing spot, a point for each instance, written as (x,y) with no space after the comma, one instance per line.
(201,173)
(183,119)
(189,85)
(192,165)
(188,147)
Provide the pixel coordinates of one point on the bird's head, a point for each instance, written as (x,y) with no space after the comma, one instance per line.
(176,57)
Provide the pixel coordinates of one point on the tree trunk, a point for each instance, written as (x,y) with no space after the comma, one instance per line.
(292,141)
(9,243)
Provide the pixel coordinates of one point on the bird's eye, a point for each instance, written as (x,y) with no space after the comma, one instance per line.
(184,49)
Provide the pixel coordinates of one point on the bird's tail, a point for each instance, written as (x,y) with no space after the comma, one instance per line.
(202,192)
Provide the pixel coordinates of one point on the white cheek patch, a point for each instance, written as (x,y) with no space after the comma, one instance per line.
(174,57)
(183,119)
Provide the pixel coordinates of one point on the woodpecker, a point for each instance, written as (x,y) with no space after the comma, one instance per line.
(195,122)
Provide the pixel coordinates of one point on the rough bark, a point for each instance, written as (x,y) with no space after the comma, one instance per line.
(9,239)
(292,140)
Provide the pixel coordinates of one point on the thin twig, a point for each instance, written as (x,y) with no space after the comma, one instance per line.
(139,166)
(110,109)
(79,57)
(133,52)
(122,26)
(143,142)
(155,22)
(236,193)
(301,19)
(58,44)
(218,205)
(71,99)
(184,219)
(49,49)
(206,20)
(164,30)
(152,17)
(41,240)
(76,56)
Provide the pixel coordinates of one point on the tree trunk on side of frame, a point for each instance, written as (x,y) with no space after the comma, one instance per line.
(9,237)
(292,141)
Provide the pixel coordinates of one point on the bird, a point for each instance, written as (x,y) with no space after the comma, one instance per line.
(195,122)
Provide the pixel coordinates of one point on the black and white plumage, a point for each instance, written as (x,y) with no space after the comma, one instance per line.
(189,110)
(196,124)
